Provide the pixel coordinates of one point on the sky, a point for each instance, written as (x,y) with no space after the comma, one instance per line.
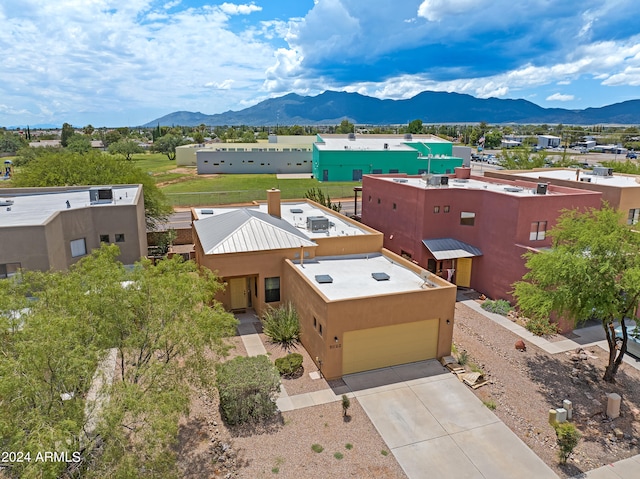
(128,62)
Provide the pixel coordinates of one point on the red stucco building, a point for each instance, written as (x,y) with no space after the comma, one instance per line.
(472,231)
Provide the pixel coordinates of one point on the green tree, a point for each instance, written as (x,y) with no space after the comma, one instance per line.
(167,144)
(521,159)
(345,127)
(11,143)
(161,319)
(248,389)
(111,137)
(316,194)
(51,167)
(415,127)
(592,270)
(66,133)
(126,148)
(88,130)
(78,143)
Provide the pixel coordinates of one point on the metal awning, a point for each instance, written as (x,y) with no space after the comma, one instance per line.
(449,248)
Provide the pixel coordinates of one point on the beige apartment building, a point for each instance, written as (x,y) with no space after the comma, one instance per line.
(52,228)
(361,306)
(620,191)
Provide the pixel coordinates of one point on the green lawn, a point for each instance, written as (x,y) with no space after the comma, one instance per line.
(153,162)
(225,189)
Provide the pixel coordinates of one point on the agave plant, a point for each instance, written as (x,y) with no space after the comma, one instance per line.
(282,325)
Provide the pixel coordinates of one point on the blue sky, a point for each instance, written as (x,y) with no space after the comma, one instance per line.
(127,62)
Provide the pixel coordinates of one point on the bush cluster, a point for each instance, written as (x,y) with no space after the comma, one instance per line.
(290,364)
(248,389)
(499,306)
(541,327)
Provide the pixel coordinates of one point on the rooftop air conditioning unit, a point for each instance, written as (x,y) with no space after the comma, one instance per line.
(541,189)
(351,136)
(586,180)
(100,196)
(602,171)
(408,136)
(317,223)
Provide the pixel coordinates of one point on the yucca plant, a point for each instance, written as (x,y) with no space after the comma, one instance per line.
(282,325)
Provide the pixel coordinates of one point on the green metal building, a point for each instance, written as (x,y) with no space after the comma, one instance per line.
(348,157)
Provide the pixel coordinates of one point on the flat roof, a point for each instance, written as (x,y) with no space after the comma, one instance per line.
(504,187)
(338,224)
(621,181)
(351,276)
(37,207)
(364,144)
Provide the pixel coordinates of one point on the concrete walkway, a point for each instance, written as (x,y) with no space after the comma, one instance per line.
(436,427)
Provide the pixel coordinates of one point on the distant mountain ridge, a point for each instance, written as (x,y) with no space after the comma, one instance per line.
(331,107)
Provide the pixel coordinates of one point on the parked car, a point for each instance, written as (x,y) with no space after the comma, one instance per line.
(632,155)
(633,339)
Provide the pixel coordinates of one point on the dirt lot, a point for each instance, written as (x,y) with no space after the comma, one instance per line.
(523,386)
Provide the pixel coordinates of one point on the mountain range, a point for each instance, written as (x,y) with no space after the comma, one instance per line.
(331,107)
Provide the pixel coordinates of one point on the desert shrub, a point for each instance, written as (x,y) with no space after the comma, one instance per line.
(490,403)
(463,358)
(248,389)
(338,455)
(567,437)
(282,325)
(346,404)
(317,448)
(541,326)
(499,306)
(290,364)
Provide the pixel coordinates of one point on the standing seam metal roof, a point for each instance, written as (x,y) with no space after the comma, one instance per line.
(247,230)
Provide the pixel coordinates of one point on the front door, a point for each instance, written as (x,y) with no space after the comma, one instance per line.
(463,272)
(238,291)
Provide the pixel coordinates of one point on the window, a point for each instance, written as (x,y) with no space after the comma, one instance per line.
(78,248)
(446,208)
(392,171)
(104,238)
(634,216)
(271,289)
(369,198)
(378,200)
(538,231)
(320,329)
(315,323)
(436,209)
(394,206)
(467,218)
(405,254)
(119,237)
(9,269)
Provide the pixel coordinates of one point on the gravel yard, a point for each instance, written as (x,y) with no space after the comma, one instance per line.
(522,385)
(525,385)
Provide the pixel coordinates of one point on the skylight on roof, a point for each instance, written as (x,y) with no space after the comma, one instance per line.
(296,211)
(380,276)
(206,212)
(324,278)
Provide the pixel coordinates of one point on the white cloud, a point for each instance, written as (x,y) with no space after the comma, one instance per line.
(244,9)
(223,85)
(436,10)
(560,97)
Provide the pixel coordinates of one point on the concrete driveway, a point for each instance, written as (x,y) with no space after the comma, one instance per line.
(437,428)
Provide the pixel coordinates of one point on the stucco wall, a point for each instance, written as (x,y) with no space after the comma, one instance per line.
(501,227)
(254,162)
(338,317)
